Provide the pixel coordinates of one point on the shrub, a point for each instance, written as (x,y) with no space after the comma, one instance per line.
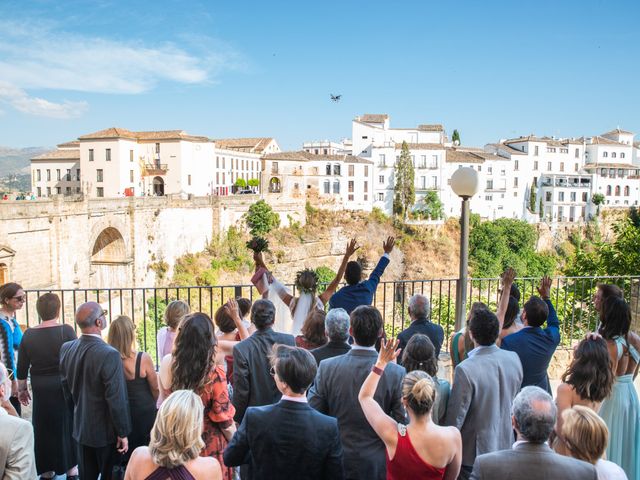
(261,218)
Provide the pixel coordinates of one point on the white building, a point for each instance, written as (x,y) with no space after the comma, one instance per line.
(57,172)
(239,158)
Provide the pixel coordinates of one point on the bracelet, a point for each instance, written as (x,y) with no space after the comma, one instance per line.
(376,370)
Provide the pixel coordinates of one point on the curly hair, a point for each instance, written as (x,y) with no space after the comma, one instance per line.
(420,354)
(590,372)
(194,353)
(313,327)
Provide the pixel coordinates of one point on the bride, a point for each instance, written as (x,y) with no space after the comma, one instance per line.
(291,311)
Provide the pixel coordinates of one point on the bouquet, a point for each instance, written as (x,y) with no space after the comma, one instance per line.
(258,244)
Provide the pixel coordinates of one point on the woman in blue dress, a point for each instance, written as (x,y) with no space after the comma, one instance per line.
(12,298)
(621,410)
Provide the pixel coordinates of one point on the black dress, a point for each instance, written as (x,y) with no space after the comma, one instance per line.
(143,410)
(52,416)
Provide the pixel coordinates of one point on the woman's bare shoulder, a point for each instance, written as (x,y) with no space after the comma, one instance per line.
(205,468)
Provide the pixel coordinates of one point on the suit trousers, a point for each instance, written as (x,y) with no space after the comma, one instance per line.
(465,472)
(97,461)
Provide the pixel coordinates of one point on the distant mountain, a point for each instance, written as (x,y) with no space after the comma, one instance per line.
(15,161)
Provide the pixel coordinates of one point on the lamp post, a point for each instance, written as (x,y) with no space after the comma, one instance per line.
(464,183)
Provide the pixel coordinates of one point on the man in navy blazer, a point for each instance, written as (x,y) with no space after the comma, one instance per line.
(419,311)
(289,439)
(534,345)
(356,292)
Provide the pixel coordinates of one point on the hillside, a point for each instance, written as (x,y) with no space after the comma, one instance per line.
(15,161)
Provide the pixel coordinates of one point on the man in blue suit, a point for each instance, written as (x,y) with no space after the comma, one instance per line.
(289,439)
(534,345)
(356,292)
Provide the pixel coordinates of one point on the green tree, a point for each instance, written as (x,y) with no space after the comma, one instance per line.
(404,188)
(455,138)
(430,206)
(325,276)
(241,183)
(261,218)
(532,198)
(253,182)
(597,200)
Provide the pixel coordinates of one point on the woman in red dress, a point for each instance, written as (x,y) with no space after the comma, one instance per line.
(192,367)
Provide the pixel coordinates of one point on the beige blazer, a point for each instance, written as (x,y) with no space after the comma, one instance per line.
(17,459)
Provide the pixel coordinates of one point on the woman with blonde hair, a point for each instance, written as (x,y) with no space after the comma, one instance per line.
(586,437)
(173,315)
(421,449)
(142,381)
(176,441)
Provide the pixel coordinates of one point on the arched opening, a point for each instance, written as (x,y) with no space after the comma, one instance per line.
(4,273)
(109,247)
(158,186)
(274,185)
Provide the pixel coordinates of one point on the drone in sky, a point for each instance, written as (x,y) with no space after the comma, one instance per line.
(335,98)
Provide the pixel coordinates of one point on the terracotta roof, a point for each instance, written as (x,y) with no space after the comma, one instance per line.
(528,138)
(598,140)
(589,166)
(67,154)
(431,128)
(71,144)
(422,146)
(617,131)
(463,156)
(151,135)
(373,118)
(302,156)
(250,144)
(571,141)
(506,148)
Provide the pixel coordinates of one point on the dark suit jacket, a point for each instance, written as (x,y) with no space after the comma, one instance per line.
(351,296)
(331,349)
(253,385)
(93,378)
(535,347)
(530,461)
(424,326)
(287,440)
(335,392)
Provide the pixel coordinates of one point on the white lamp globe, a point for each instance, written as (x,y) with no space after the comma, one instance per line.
(464,182)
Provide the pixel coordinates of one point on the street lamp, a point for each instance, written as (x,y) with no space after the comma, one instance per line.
(464,183)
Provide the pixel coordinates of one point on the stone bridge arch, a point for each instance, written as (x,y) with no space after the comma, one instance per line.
(110,255)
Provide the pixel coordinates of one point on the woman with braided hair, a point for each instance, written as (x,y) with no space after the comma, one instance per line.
(306,286)
(12,298)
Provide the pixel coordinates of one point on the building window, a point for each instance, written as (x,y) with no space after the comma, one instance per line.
(99,175)
(503,172)
(612,172)
(489,170)
(48,191)
(58,190)
(67,191)
(366,186)
(423,182)
(515,182)
(350,197)
(479,168)
(366,197)
(548,166)
(562,166)
(336,169)
(325,151)
(626,191)
(130,176)
(351,170)
(560,214)
(561,196)
(489,184)
(617,190)
(157,148)
(383,160)
(336,186)
(576,167)
(605,154)
(217,162)
(547,196)
(58,174)
(535,165)
(366,170)
(38,176)
(131,155)
(327,186)
(516,165)
(224,162)
(573,196)
(77,174)
(77,189)
(434,182)
(91,154)
(100,192)
(39,192)
(613,154)
(381,197)
(488,197)
(434,161)
(423,161)
(188,179)
(381,179)
(107,154)
(48,175)
(350,186)
(577,153)
(328,169)
(621,173)
(224,178)
(585,196)
(621,154)
(68,174)
(608,189)
(536,150)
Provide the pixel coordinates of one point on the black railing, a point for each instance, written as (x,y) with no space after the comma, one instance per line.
(571,296)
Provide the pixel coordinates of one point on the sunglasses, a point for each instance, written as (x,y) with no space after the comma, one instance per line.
(22,298)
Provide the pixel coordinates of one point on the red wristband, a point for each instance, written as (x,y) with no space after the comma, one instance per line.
(376,370)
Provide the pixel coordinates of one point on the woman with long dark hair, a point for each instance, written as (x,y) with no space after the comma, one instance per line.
(621,410)
(192,366)
(587,382)
(12,298)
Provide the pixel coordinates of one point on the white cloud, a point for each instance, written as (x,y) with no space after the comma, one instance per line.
(37,56)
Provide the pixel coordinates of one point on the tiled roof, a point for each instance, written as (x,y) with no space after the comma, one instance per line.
(506,148)
(617,131)
(71,144)
(422,146)
(589,166)
(571,141)
(431,128)
(528,138)
(250,144)
(68,154)
(302,156)
(151,135)
(598,140)
(463,156)
(373,118)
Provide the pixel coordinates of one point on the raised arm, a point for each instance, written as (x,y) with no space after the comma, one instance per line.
(507,280)
(385,427)
(374,278)
(352,246)
(225,347)
(553,324)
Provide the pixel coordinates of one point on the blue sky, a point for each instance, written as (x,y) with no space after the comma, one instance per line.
(226,69)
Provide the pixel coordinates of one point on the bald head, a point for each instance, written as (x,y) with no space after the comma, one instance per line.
(87,314)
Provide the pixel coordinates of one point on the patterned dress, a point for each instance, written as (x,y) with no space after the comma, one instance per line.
(218,415)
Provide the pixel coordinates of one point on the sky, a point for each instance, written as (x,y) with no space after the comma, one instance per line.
(490,69)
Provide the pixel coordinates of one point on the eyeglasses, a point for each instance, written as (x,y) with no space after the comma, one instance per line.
(22,298)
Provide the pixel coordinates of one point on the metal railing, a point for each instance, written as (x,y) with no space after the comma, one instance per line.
(571,296)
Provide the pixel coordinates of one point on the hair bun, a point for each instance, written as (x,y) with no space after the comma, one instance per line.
(424,390)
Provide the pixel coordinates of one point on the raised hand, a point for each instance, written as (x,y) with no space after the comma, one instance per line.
(545,287)
(508,276)
(388,245)
(352,246)
(232,308)
(389,351)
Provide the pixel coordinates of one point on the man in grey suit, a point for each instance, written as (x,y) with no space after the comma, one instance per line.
(253,385)
(17,460)
(93,378)
(530,458)
(335,393)
(484,386)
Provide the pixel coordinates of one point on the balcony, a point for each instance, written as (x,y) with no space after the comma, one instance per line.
(155,169)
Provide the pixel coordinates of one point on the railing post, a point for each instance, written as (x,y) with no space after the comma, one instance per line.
(461,283)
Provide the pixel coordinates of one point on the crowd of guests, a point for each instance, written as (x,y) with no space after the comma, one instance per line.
(235,398)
